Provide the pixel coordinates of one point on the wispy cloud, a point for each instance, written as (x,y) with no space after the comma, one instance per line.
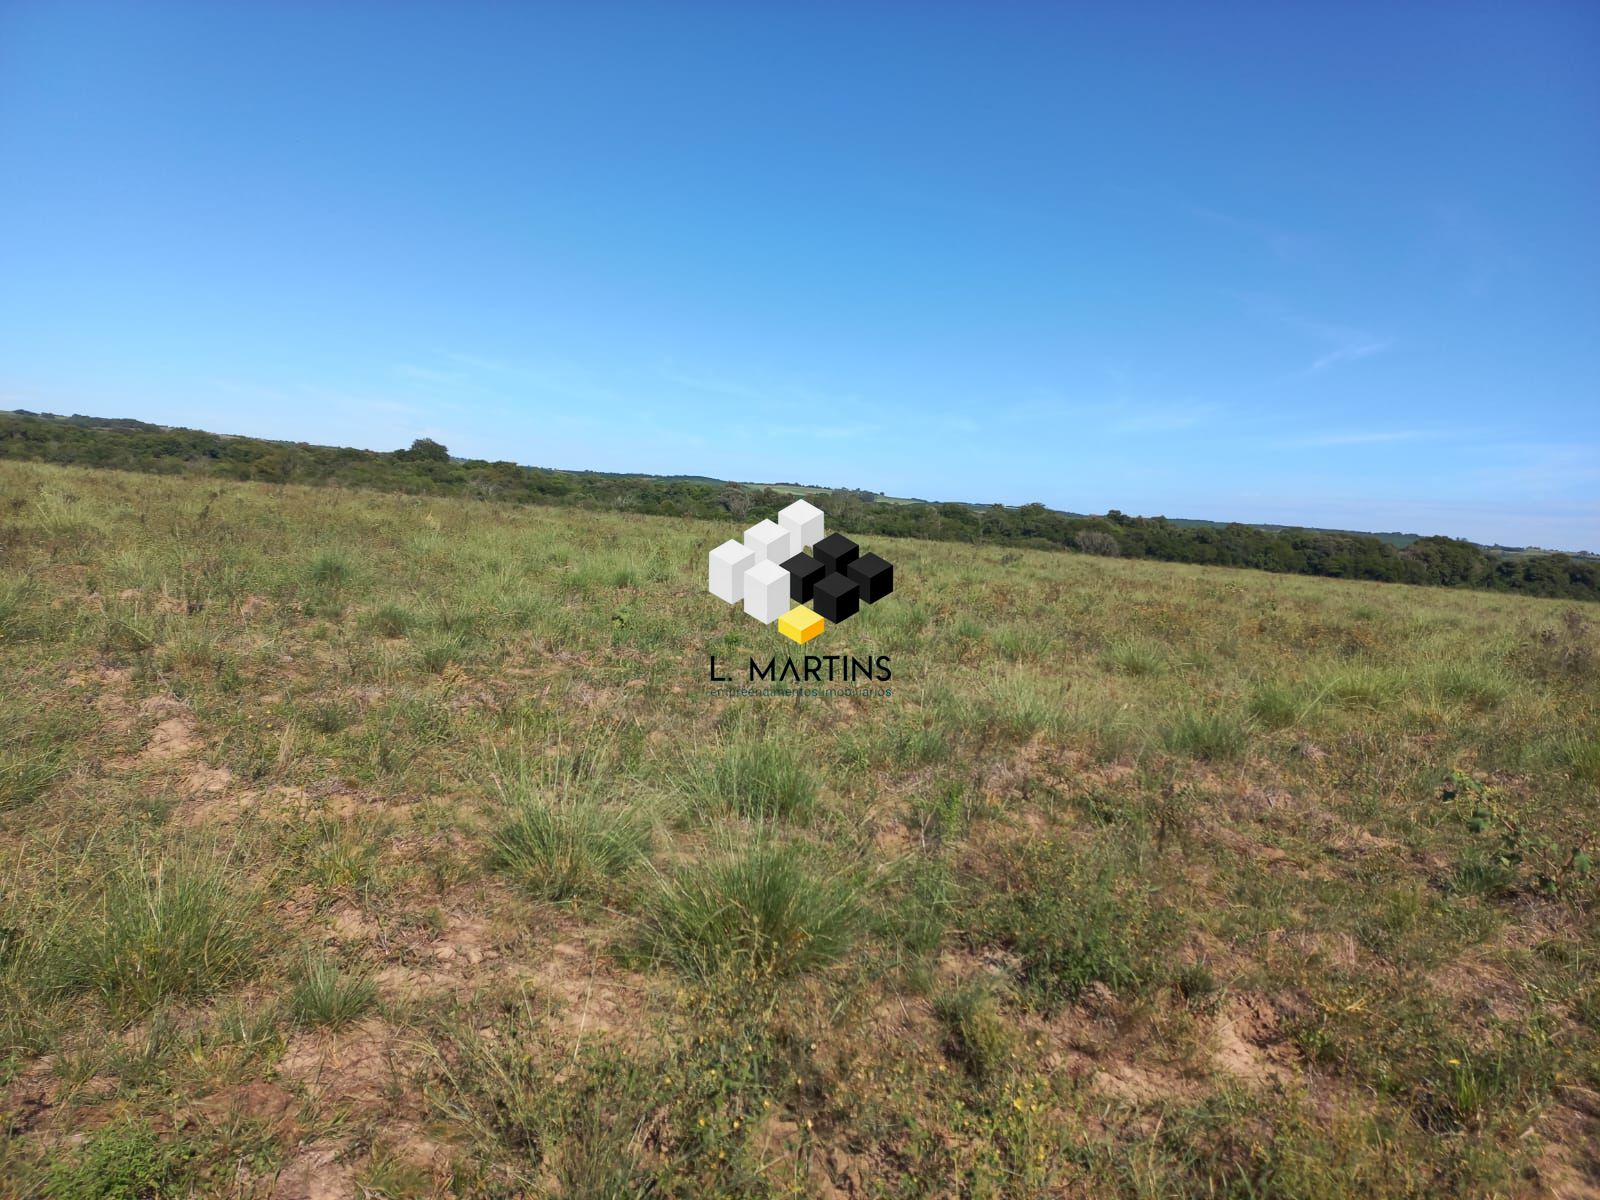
(1164,418)
(1463,246)
(830,433)
(1345,343)
(499,379)
(433,375)
(766,391)
(1351,353)
(1370,437)
(1284,244)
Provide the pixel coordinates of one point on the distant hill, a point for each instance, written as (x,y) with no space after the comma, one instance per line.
(1399,540)
(426,468)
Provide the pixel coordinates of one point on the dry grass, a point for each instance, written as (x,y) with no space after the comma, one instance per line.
(357,841)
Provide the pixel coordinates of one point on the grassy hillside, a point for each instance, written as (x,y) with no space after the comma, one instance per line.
(359,839)
(427,469)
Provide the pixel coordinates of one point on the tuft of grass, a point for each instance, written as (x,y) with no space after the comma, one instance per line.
(439,650)
(976,1034)
(1074,920)
(1484,873)
(1136,656)
(1196,984)
(330,570)
(1579,756)
(168,930)
(391,621)
(16,597)
(328,718)
(1275,706)
(1214,736)
(1472,684)
(568,846)
(1361,687)
(325,995)
(760,780)
(760,915)
(24,776)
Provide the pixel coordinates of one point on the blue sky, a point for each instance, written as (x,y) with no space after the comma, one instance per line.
(1332,265)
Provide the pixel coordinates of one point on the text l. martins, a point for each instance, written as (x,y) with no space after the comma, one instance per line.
(813,668)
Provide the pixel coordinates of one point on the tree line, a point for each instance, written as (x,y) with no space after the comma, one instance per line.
(426,468)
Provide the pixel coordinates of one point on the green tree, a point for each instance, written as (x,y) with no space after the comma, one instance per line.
(425,450)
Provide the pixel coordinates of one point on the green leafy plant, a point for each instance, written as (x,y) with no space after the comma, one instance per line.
(125,1160)
(1510,857)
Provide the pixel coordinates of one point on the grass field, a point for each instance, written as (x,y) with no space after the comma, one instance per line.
(363,845)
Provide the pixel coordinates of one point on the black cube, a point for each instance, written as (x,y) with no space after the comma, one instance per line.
(835,597)
(836,552)
(804,572)
(873,576)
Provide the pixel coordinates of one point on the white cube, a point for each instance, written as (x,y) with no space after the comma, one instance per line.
(771,542)
(766,592)
(729,562)
(803,520)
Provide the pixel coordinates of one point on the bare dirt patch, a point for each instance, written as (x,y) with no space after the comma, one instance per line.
(272,1106)
(1248,1042)
(359,1066)
(316,1172)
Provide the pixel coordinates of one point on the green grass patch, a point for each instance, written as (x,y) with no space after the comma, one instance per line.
(325,995)
(568,846)
(761,780)
(1473,684)
(976,1033)
(391,621)
(330,569)
(1214,736)
(1579,755)
(164,930)
(26,773)
(125,1160)
(758,915)
(1136,656)
(1276,706)
(1074,918)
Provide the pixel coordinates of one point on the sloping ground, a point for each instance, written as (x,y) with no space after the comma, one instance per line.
(364,845)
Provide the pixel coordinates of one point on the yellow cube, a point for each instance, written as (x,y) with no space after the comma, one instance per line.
(800,624)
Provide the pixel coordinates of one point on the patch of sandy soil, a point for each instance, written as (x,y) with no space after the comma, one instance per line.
(347,923)
(316,1172)
(206,781)
(1142,1085)
(590,996)
(362,1065)
(108,686)
(463,954)
(174,736)
(832,1172)
(36,1095)
(1246,847)
(1330,949)
(1248,1042)
(1569,1163)
(1481,989)
(276,1108)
